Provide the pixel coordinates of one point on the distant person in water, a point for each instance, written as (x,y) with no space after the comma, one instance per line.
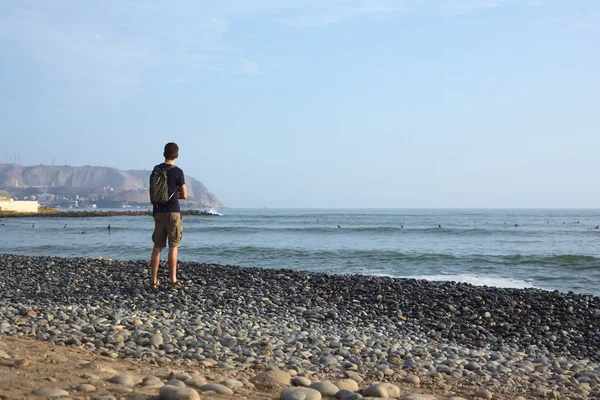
(517,225)
(109,228)
(401,226)
(439,226)
(65,227)
(33,225)
(597,227)
(339,227)
(167,215)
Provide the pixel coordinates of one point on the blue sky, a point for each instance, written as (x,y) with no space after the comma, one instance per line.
(306,103)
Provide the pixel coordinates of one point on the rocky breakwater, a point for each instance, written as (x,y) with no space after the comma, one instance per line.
(502,341)
(88,214)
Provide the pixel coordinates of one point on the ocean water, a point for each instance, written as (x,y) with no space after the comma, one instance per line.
(549,249)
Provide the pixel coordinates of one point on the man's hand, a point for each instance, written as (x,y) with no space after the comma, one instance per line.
(182,192)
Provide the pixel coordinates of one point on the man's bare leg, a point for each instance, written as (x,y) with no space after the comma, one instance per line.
(154,263)
(172,261)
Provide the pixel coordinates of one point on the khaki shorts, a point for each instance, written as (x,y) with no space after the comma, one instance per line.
(167,226)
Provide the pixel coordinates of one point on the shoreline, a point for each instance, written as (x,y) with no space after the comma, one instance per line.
(88,214)
(509,342)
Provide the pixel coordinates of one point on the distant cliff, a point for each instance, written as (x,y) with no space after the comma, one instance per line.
(107,182)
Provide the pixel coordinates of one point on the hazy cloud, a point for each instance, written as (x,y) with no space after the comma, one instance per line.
(110,45)
(248,67)
(584,20)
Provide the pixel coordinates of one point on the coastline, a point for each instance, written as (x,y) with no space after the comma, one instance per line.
(455,338)
(88,214)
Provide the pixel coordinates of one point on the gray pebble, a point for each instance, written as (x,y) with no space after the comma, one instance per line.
(301,381)
(217,388)
(382,390)
(85,388)
(484,394)
(326,388)
(418,396)
(232,383)
(175,382)
(197,383)
(345,394)
(51,392)
(123,379)
(156,340)
(309,394)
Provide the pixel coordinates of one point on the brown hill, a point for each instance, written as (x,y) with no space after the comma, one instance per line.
(124,185)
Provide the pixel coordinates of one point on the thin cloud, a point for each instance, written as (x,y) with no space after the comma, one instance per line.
(583,20)
(336,12)
(109,47)
(248,67)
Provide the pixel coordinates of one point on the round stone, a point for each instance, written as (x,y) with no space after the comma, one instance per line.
(217,388)
(309,394)
(197,383)
(484,394)
(382,390)
(418,396)
(301,381)
(354,375)
(182,376)
(85,388)
(347,384)
(232,383)
(51,392)
(175,382)
(472,366)
(295,395)
(272,379)
(186,394)
(326,388)
(168,392)
(156,339)
(414,379)
(123,379)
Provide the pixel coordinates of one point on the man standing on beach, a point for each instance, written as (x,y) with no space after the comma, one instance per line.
(167,217)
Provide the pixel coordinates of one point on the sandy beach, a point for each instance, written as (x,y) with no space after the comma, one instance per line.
(268,334)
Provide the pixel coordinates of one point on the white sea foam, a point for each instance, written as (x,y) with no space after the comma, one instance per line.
(478,280)
(214,211)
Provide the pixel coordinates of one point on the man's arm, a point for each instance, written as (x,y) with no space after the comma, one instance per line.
(182,192)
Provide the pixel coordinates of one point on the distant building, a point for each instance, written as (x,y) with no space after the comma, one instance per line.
(10,205)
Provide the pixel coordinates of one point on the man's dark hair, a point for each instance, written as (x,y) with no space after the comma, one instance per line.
(171,151)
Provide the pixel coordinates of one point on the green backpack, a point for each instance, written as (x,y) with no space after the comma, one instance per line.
(159,189)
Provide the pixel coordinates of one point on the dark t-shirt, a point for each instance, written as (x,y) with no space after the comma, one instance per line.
(175,180)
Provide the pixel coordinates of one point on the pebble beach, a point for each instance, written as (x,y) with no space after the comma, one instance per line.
(307,332)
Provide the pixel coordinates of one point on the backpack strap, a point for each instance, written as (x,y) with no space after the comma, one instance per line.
(167,170)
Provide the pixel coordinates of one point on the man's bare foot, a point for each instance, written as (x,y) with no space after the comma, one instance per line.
(176,285)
